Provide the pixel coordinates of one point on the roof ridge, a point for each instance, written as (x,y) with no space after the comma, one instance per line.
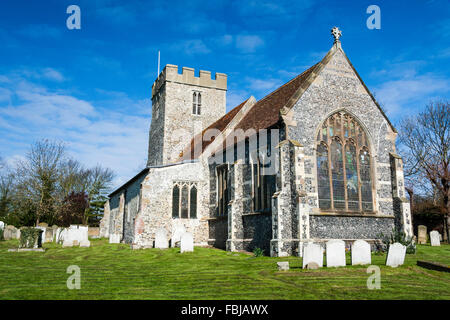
(279,88)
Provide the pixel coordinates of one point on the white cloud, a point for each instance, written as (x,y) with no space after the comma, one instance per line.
(404,94)
(192,47)
(249,43)
(94,134)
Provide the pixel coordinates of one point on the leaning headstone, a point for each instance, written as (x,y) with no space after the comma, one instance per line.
(361,253)
(434,238)
(114,238)
(85,244)
(396,255)
(335,253)
(176,236)
(283,266)
(187,242)
(161,241)
(422,234)
(312,253)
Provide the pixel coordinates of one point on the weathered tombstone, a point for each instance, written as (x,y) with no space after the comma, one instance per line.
(2,225)
(11,232)
(312,253)
(94,232)
(335,253)
(49,234)
(361,253)
(67,243)
(114,238)
(312,266)
(396,255)
(434,238)
(161,241)
(187,242)
(85,244)
(176,236)
(283,266)
(422,234)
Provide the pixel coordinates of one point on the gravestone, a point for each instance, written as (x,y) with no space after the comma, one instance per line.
(434,239)
(422,234)
(11,232)
(85,244)
(283,266)
(361,253)
(187,242)
(67,243)
(161,241)
(396,255)
(312,253)
(94,232)
(72,233)
(114,238)
(176,235)
(2,225)
(335,253)
(312,266)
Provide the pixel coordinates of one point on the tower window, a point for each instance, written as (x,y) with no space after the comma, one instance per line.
(196,103)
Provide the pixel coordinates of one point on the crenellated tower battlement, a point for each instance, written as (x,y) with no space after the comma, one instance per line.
(170,73)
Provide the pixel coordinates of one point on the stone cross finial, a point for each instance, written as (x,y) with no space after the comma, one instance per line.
(336,33)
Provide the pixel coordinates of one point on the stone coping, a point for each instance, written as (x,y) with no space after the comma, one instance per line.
(27,250)
(350,214)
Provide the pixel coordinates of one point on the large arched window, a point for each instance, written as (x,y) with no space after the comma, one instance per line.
(344,174)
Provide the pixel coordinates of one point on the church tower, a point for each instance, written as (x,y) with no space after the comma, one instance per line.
(182,106)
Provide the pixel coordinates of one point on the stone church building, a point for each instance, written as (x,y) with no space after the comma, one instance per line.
(312,161)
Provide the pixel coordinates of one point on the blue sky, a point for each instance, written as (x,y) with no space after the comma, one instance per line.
(91,87)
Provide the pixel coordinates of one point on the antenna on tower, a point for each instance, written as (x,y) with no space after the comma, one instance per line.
(158,63)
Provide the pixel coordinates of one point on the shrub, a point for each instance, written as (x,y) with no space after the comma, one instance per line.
(395,236)
(29,237)
(258,252)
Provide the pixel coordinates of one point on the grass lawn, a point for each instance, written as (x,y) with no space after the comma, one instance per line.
(114,271)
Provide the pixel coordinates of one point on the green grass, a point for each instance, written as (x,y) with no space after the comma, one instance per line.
(114,271)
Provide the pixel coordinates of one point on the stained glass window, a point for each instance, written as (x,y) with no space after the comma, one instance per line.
(344,171)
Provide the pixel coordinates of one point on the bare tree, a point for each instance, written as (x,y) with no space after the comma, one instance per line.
(38,176)
(427,139)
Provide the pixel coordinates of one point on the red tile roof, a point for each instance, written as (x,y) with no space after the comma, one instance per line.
(263,114)
(266,112)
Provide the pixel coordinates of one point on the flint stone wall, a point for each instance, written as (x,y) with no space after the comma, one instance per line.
(156,210)
(338,88)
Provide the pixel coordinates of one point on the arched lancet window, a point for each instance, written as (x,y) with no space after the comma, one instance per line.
(344,174)
(184,200)
(193,203)
(175,201)
(196,103)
